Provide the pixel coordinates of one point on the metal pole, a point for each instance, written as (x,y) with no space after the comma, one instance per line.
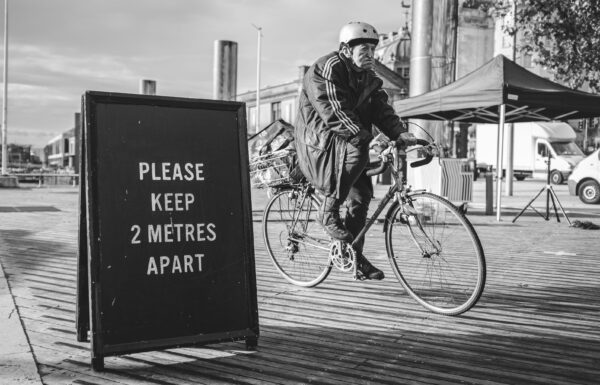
(5,91)
(510,146)
(225,70)
(147,87)
(420,55)
(453,72)
(420,52)
(502,111)
(585,134)
(258,30)
(510,138)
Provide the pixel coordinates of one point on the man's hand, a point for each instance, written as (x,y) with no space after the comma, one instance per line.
(407,138)
(361,139)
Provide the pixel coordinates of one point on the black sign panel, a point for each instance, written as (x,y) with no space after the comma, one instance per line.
(171,256)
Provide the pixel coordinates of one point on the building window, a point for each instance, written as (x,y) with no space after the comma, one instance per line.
(405,72)
(287,116)
(542,150)
(275,111)
(252,119)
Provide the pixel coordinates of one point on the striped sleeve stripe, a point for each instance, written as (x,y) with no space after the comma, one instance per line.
(333,99)
(337,108)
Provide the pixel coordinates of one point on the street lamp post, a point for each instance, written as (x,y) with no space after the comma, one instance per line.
(510,128)
(259,31)
(5,91)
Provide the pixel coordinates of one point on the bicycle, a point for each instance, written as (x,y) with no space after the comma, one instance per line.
(432,247)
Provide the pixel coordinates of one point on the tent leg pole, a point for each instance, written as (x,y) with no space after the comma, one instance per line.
(502,111)
(510,146)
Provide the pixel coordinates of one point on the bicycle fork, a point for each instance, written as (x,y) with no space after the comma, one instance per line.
(410,212)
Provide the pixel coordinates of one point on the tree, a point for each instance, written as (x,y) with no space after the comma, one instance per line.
(564,37)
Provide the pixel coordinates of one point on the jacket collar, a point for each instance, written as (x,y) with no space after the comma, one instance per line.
(370,81)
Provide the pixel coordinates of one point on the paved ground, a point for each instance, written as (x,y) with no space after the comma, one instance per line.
(536,323)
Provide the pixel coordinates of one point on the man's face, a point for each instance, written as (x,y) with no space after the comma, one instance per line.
(363,55)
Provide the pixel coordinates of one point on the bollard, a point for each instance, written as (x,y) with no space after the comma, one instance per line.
(489,194)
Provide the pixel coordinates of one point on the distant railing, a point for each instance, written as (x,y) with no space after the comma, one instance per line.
(50,179)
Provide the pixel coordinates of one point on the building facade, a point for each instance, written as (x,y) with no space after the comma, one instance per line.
(62,151)
(21,157)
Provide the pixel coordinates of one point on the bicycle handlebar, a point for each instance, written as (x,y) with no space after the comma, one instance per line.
(380,169)
(427,158)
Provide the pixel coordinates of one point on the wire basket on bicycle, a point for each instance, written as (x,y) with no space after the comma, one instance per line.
(272,169)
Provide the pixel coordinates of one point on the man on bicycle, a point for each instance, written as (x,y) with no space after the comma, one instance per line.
(341,99)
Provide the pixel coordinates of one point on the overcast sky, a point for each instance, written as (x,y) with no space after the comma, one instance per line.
(58,49)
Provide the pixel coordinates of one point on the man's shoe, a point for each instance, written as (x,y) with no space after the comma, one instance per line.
(335,228)
(367,271)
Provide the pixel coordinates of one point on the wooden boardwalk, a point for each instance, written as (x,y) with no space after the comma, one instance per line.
(537,322)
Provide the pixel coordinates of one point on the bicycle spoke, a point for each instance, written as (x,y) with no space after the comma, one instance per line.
(294,238)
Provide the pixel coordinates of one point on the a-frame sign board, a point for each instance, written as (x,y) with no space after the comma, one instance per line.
(166,254)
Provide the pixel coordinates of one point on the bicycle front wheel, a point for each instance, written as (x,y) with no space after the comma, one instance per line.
(436,254)
(294,239)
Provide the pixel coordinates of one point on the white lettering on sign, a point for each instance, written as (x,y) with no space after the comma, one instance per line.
(171,201)
(181,232)
(136,234)
(163,264)
(172,232)
(167,171)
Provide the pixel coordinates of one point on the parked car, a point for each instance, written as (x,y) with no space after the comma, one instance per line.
(585,179)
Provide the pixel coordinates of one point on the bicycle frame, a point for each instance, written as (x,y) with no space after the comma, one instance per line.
(304,193)
(397,191)
(443,271)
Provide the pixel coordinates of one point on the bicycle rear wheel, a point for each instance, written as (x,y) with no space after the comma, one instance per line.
(436,254)
(296,242)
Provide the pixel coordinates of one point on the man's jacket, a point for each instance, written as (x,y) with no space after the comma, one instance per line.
(338,106)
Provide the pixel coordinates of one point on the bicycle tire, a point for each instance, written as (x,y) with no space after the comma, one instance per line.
(299,249)
(436,254)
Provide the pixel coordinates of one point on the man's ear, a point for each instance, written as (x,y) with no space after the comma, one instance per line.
(345,49)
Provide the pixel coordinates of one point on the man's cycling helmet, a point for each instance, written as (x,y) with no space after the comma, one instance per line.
(357,32)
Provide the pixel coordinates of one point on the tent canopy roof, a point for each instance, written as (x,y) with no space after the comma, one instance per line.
(475,98)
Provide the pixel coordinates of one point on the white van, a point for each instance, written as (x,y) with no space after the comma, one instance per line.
(533,142)
(585,179)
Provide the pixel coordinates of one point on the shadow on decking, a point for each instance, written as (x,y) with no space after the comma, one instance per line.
(27,209)
(345,355)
